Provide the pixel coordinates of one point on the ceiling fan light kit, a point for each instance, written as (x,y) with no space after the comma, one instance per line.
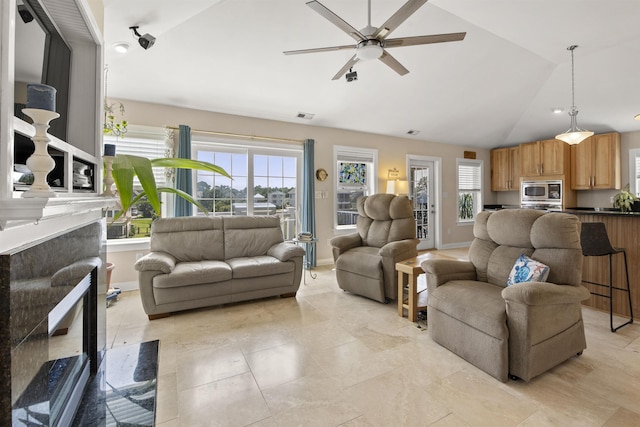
(372,42)
(368,50)
(574,135)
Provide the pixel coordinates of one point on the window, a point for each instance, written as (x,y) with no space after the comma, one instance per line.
(634,171)
(264,181)
(143,141)
(469,189)
(355,176)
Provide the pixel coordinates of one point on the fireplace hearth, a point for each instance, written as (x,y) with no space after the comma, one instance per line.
(52,300)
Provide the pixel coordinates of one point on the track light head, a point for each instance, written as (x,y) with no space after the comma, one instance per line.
(351,75)
(24,13)
(145,41)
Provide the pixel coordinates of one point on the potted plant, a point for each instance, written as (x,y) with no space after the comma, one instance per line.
(624,200)
(126,167)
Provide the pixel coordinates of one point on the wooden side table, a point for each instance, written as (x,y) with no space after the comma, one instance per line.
(415,301)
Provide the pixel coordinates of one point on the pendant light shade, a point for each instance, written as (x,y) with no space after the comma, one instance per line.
(574,135)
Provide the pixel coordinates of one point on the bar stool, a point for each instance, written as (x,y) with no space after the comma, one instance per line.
(595,242)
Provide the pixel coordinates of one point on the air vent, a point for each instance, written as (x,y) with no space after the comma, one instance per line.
(307,116)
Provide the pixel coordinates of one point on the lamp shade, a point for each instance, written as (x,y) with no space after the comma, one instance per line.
(397,187)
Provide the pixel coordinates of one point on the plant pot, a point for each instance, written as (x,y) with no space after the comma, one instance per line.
(110,267)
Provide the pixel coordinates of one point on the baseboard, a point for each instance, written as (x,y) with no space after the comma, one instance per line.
(326,261)
(455,245)
(126,286)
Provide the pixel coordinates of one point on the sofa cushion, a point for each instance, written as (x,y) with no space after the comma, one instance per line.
(188,238)
(258,266)
(501,262)
(247,236)
(384,218)
(527,270)
(477,304)
(194,273)
(364,261)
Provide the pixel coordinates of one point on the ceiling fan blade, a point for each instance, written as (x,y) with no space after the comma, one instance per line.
(319,49)
(336,20)
(435,38)
(393,63)
(398,18)
(350,63)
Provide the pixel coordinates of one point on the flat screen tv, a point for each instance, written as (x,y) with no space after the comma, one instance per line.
(41,56)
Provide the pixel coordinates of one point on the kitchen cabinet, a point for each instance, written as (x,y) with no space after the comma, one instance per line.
(595,163)
(544,158)
(505,169)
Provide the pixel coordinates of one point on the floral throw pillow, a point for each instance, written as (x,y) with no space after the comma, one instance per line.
(527,270)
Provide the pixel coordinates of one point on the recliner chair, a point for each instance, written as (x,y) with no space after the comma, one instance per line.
(386,233)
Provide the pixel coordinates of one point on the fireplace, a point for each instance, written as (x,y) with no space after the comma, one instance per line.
(52,299)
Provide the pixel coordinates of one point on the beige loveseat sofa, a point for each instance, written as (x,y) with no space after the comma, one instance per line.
(521,330)
(202,261)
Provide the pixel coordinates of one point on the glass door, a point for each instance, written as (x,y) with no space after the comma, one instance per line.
(421,185)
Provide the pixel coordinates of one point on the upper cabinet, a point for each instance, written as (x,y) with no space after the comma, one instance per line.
(544,158)
(595,163)
(505,169)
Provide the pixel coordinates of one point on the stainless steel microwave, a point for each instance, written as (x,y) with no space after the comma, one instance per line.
(541,191)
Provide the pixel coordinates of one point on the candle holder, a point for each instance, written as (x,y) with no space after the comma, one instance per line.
(108,176)
(40,163)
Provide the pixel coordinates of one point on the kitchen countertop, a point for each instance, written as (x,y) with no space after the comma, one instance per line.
(575,211)
(598,211)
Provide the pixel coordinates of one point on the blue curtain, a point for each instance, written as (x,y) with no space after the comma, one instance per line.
(308,199)
(183,176)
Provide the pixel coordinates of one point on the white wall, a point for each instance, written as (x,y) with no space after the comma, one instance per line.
(392,152)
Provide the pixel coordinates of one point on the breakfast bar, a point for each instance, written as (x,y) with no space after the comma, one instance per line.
(623,229)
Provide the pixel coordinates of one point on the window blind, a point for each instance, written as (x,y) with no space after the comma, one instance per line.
(148,143)
(469,177)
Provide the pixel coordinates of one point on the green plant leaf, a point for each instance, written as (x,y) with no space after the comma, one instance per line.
(126,167)
(188,164)
(123,176)
(185,196)
(144,172)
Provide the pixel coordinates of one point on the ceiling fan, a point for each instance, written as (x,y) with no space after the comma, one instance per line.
(372,42)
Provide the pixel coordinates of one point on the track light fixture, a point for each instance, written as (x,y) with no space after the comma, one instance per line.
(24,13)
(351,75)
(145,41)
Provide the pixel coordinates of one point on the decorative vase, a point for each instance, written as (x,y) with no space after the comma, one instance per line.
(40,163)
(108,177)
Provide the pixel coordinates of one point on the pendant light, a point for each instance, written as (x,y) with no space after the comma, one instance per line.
(574,135)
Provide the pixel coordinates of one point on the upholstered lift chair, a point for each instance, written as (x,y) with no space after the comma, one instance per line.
(386,233)
(524,329)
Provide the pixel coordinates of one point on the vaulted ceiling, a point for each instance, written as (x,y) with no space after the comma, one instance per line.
(496,87)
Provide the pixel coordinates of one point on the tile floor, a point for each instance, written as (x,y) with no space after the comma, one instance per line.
(329,358)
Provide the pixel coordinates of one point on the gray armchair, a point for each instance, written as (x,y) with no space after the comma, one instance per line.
(521,330)
(386,233)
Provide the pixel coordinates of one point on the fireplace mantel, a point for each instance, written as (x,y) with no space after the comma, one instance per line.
(27,220)
(17,211)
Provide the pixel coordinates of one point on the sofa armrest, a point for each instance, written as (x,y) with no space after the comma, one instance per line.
(341,244)
(440,271)
(544,293)
(400,250)
(285,251)
(156,261)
